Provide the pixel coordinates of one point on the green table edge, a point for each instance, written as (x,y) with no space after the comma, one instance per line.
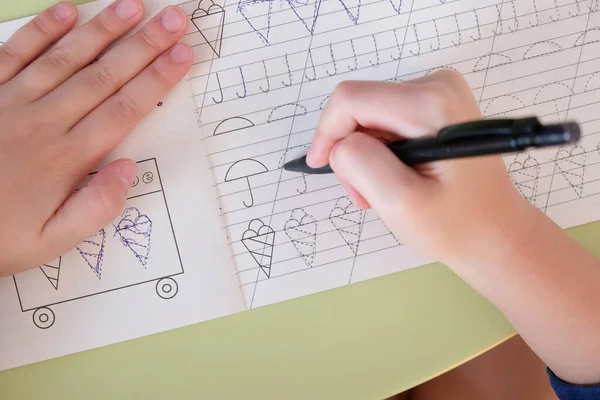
(13,9)
(365,341)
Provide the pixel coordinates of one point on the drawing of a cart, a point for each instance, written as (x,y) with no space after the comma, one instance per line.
(138,248)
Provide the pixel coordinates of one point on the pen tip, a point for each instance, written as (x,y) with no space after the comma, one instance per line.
(297,165)
(300,165)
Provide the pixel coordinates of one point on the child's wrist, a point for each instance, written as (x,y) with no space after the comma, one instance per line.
(497,239)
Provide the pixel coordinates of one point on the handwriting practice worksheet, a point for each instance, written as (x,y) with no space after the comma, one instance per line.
(270,66)
(213,225)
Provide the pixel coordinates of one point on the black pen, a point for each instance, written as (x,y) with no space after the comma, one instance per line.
(471,139)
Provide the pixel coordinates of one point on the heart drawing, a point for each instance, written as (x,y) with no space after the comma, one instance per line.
(347,220)
(135,230)
(571,165)
(524,172)
(301,228)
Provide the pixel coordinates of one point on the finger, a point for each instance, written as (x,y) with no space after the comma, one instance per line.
(96,83)
(76,50)
(108,125)
(358,200)
(91,208)
(34,38)
(384,106)
(371,169)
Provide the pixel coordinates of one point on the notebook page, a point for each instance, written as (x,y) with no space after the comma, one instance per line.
(271,71)
(164,263)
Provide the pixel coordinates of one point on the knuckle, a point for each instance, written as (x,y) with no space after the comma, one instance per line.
(452,99)
(446,74)
(102,25)
(354,142)
(125,108)
(105,76)
(149,39)
(347,151)
(344,90)
(12,53)
(40,25)
(106,207)
(440,97)
(451,82)
(61,58)
(159,74)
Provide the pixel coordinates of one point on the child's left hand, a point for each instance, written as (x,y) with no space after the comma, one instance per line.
(60,116)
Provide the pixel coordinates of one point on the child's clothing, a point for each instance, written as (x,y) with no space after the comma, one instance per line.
(567,391)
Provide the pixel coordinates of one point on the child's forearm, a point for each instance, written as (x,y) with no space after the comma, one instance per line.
(548,286)
(466,213)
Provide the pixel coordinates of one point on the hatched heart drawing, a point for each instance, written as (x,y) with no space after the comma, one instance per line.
(301,228)
(524,172)
(135,230)
(347,220)
(571,165)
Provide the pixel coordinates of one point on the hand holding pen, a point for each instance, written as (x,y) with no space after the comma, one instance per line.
(470,139)
(466,212)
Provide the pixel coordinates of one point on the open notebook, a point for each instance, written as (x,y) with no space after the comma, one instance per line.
(214,226)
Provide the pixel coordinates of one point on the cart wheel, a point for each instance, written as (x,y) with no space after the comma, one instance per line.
(43,318)
(166,288)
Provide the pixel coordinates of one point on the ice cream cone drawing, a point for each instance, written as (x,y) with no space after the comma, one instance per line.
(92,251)
(134,230)
(259,240)
(209,19)
(347,220)
(301,228)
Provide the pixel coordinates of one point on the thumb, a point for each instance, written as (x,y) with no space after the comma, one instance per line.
(372,170)
(91,208)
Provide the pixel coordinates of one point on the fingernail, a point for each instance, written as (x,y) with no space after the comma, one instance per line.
(173,19)
(63,11)
(127,9)
(313,157)
(180,53)
(128,173)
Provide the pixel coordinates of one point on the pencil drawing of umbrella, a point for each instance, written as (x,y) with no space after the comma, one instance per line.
(244,169)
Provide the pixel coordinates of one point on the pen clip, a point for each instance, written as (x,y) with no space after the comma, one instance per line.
(486,128)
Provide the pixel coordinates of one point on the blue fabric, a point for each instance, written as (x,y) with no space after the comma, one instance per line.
(567,391)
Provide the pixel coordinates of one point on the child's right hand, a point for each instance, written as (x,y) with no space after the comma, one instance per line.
(467,214)
(445,209)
